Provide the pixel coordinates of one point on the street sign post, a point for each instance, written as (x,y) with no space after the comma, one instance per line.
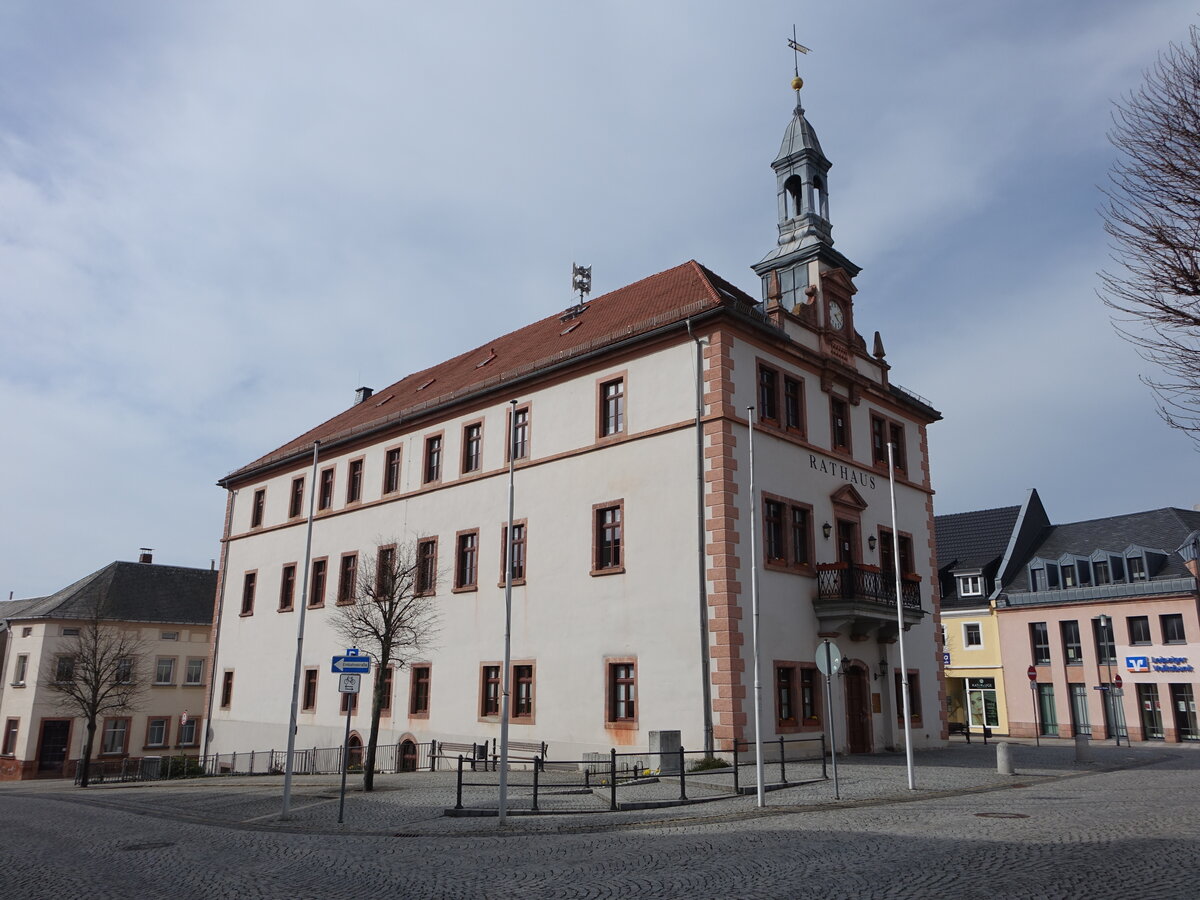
(347,684)
(829,662)
(1037,728)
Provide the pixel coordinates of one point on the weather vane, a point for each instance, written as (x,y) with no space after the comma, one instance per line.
(797,49)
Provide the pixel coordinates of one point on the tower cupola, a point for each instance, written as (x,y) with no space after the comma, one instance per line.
(805,231)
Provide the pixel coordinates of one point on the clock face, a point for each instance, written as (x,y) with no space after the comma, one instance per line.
(836,317)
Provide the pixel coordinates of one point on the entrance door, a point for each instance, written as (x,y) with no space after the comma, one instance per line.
(354,758)
(1080,722)
(1183,701)
(408,757)
(1152,727)
(858,709)
(52,750)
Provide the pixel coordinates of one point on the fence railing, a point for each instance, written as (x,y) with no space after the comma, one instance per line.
(607,776)
(389,758)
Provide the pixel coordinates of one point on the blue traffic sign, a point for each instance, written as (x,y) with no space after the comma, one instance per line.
(347,664)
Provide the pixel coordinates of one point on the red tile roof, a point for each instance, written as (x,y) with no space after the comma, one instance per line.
(643,306)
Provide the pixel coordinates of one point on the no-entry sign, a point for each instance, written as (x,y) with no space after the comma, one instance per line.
(1032,673)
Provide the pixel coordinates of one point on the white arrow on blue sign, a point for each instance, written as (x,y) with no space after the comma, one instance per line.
(351,664)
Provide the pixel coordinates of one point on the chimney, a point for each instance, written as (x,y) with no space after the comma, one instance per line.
(362,394)
(146,555)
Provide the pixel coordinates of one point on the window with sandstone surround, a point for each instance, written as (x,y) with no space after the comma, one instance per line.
(296,502)
(426,581)
(287,587)
(391,471)
(226,689)
(768,395)
(433,459)
(256,511)
(316,584)
(386,673)
(325,500)
(839,424)
(347,578)
(472,447)
(787,534)
(309,703)
(354,476)
(607,538)
(519,554)
(622,692)
(466,560)
(612,407)
(793,405)
(418,700)
(157,729)
(489,691)
(520,422)
(114,739)
(522,692)
(249,580)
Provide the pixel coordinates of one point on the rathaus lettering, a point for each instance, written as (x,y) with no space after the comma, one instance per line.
(845,473)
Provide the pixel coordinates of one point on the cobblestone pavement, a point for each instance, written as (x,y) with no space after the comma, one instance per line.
(1127,825)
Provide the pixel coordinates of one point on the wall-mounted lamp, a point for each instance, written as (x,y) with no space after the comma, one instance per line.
(871,543)
(884,668)
(826,529)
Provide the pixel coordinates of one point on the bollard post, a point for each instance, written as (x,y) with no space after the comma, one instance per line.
(1083,749)
(682,776)
(612,779)
(736,786)
(782,764)
(824,755)
(458,789)
(537,764)
(1004,764)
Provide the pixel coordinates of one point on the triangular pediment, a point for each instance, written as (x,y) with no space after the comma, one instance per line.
(848,496)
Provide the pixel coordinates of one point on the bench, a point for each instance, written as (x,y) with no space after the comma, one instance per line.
(453,750)
(965,730)
(522,751)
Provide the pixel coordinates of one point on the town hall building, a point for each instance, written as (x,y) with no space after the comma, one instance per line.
(636,537)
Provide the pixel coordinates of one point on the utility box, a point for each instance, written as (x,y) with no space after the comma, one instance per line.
(666,743)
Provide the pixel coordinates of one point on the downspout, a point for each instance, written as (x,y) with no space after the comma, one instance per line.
(701,556)
(212,675)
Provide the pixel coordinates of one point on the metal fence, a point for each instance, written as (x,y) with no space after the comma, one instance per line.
(389,758)
(606,774)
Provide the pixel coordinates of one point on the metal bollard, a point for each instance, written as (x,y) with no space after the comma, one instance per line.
(1083,748)
(1004,764)
(682,775)
(612,779)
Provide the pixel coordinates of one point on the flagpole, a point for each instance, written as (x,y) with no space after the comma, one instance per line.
(506,676)
(285,813)
(908,750)
(758,758)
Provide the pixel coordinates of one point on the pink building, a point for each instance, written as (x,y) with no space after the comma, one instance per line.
(1100,628)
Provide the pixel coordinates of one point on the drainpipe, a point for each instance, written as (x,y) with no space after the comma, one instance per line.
(701,556)
(212,675)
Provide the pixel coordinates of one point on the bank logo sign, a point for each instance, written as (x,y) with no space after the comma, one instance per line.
(1137,663)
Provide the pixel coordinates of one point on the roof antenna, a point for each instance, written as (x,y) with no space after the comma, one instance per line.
(581,281)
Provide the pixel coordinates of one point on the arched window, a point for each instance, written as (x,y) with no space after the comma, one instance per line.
(795,196)
(821,200)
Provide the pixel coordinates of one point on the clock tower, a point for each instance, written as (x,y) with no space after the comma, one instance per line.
(796,274)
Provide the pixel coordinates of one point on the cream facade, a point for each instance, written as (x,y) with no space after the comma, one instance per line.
(636,519)
(42,739)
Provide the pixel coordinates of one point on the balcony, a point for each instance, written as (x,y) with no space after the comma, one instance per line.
(861,601)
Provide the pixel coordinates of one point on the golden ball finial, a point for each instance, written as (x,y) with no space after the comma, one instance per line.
(797,83)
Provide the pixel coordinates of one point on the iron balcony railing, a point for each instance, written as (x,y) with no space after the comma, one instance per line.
(839,581)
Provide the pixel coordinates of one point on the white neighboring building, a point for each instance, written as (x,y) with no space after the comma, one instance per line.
(631,610)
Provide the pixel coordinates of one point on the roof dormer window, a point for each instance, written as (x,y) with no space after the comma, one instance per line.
(970,585)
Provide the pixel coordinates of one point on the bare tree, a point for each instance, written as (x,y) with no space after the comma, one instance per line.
(392,618)
(97,673)
(1152,212)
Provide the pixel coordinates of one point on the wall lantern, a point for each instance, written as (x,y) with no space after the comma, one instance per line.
(871,543)
(826,529)
(883,670)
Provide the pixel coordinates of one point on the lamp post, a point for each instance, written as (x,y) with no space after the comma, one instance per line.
(1110,694)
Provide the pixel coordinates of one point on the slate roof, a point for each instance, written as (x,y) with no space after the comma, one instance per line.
(971,540)
(644,306)
(130,592)
(1158,529)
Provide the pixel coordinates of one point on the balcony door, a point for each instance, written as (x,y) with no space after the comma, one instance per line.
(847,534)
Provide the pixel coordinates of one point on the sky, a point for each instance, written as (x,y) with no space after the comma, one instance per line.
(218,219)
